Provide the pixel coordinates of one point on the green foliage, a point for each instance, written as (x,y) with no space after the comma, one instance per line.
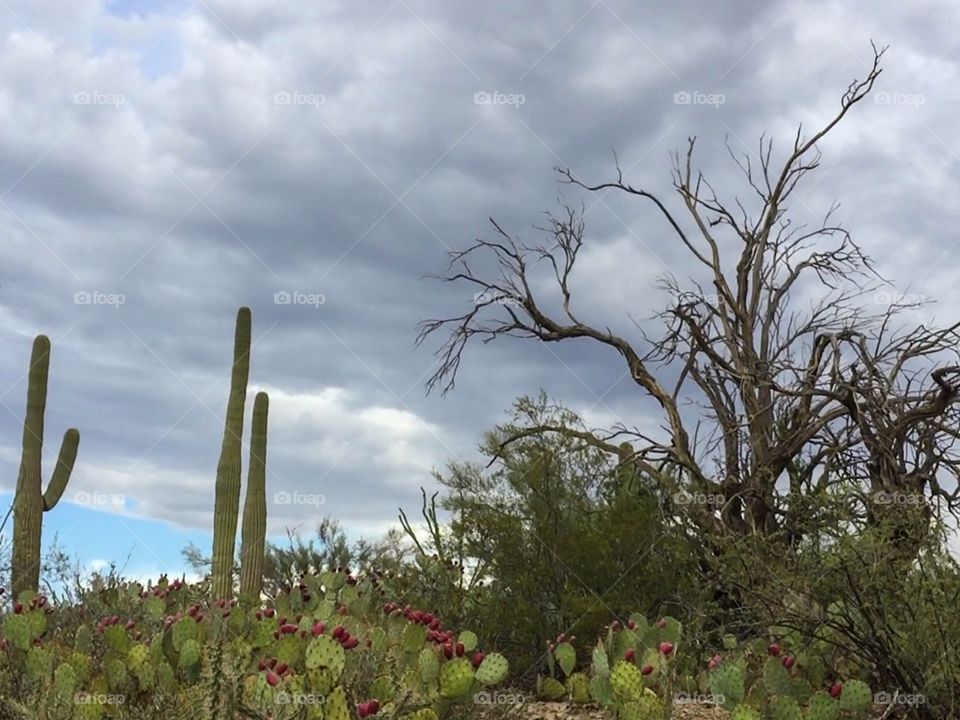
(535,538)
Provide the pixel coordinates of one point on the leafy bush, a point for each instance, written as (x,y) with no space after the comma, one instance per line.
(552,537)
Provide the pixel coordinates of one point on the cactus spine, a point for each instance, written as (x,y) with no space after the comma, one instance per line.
(255,505)
(30,501)
(227,502)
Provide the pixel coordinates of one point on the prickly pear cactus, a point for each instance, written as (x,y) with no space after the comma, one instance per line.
(493,670)
(189,653)
(600,665)
(578,688)
(566,657)
(65,682)
(325,652)
(822,707)
(626,681)
(728,681)
(646,707)
(469,640)
(549,688)
(335,706)
(776,678)
(456,678)
(601,690)
(856,698)
(744,712)
(16,629)
(784,708)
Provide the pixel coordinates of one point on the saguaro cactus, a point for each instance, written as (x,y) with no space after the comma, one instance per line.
(253,534)
(227,503)
(31,502)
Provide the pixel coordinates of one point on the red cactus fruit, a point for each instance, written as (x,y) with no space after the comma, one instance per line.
(836,689)
(647,669)
(629,655)
(666,648)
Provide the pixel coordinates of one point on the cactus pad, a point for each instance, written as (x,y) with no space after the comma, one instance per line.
(429,666)
(551,689)
(39,663)
(744,712)
(469,640)
(600,666)
(492,670)
(325,652)
(601,691)
(646,707)
(776,678)
(335,706)
(566,657)
(189,653)
(626,681)
(578,688)
(17,630)
(65,681)
(856,697)
(822,707)
(456,678)
(784,708)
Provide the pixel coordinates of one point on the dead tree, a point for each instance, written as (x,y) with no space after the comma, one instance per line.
(792,401)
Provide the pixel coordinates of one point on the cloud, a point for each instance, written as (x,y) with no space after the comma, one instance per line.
(193,158)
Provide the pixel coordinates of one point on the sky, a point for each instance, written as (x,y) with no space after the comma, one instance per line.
(163,163)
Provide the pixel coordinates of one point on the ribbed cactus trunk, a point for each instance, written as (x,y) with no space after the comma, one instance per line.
(30,501)
(253,534)
(227,503)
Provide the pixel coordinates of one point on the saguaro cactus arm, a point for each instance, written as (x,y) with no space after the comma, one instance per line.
(31,501)
(253,534)
(227,502)
(63,470)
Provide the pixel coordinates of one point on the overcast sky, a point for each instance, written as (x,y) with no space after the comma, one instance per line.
(171,161)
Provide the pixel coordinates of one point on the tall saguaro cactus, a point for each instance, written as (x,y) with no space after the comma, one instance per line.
(227,503)
(253,534)
(31,501)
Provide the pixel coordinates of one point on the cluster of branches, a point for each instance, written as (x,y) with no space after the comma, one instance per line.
(791,401)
